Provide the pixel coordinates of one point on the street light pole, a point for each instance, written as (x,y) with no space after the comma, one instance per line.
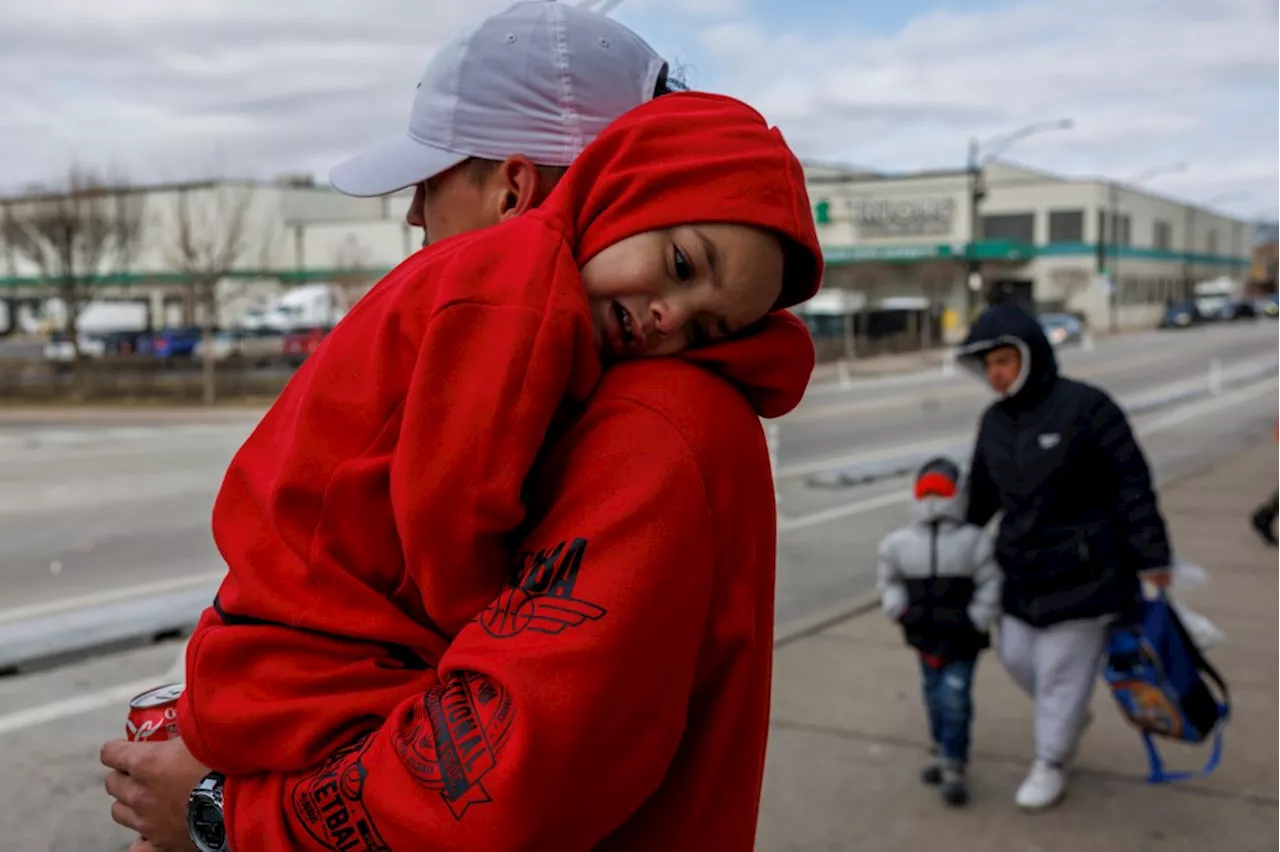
(973,266)
(979,153)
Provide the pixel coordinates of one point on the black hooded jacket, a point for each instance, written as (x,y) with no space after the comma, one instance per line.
(1058,458)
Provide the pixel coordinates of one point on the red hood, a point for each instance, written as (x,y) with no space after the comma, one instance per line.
(696,157)
(771,366)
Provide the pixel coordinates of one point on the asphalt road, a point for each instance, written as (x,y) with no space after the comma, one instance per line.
(98,504)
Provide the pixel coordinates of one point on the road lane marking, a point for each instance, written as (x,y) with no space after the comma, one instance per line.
(154,587)
(1173,418)
(78,705)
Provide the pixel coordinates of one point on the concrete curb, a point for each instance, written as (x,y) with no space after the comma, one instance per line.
(35,641)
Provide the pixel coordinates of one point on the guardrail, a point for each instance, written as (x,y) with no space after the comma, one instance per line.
(905,464)
(48,638)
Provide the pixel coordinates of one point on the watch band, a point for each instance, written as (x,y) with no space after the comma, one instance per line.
(205,824)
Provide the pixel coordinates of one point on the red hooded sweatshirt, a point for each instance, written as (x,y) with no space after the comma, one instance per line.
(639,609)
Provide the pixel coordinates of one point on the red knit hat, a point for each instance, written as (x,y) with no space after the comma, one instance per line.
(938,478)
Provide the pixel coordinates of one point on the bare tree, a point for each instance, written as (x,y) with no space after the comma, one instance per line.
(351,270)
(211,238)
(74,235)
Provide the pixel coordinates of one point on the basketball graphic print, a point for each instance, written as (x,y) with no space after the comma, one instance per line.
(512,613)
(541,597)
(454,736)
(329,803)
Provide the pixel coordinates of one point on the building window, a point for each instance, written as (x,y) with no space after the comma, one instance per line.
(1066,226)
(1116,230)
(1162,235)
(1213,242)
(1010,226)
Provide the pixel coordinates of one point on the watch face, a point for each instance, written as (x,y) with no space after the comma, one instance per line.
(205,821)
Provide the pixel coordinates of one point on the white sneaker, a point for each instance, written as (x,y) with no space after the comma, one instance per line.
(1045,786)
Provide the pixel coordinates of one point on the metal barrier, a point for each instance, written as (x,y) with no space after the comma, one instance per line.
(135,620)
(848,476)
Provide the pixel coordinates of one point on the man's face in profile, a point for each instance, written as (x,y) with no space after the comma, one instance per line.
(1003,365)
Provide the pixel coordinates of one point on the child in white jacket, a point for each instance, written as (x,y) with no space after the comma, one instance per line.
(938,578)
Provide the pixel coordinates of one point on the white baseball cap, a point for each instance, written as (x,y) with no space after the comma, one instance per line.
(541,79)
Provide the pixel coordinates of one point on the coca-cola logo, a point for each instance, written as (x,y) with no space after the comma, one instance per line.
(149,727)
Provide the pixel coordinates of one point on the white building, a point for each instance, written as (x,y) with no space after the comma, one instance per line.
(886,237)
(275,235)
(1043,239)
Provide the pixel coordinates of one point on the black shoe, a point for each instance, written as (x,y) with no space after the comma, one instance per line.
(1262,523)
(932,775)
(955,789)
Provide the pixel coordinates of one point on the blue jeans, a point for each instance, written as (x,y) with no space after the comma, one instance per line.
(948,698)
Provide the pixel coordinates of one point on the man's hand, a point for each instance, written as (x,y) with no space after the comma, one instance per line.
(1161,578)
(150,783)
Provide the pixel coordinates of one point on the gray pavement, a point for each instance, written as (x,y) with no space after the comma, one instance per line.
(848,732)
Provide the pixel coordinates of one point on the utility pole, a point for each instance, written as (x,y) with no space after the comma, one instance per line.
(979,153)
(973,266)
(1113,238)
(1188,247)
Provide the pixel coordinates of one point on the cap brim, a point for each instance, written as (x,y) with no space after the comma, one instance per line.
(391,166)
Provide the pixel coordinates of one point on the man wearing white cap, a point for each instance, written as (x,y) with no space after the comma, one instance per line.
(502,110)
(500,113)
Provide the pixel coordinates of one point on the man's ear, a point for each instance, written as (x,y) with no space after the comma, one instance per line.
(517,186)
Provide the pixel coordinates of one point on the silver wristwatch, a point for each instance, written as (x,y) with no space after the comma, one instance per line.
(205,824)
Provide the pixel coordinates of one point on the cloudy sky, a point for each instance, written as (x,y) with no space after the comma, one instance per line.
(160,90)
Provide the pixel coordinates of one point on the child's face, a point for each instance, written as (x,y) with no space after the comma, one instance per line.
(656,293)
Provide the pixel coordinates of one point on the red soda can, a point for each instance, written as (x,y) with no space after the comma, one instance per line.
(153,715)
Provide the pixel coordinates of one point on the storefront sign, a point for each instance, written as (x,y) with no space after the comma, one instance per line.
(903,217)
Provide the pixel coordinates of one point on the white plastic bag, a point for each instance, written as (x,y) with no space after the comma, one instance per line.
(1202,631)
(1188,576)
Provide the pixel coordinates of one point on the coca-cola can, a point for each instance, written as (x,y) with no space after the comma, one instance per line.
(153,715)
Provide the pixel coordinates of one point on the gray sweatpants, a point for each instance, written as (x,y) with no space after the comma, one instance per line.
(1057,666)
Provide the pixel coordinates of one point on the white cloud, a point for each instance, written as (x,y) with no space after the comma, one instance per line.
(1146,82)
(165,90)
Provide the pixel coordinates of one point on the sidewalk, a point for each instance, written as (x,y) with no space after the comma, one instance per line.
(848,732)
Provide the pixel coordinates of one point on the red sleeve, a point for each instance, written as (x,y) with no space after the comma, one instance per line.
(487,378)
(561,707)
(490,380)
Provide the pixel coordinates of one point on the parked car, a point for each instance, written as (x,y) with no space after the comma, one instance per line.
(1267,306)
(1062,329)
(301,342)
(242,345)
(59,347)
(123,342)
(168,343)
(1236,310)
(1181,315)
